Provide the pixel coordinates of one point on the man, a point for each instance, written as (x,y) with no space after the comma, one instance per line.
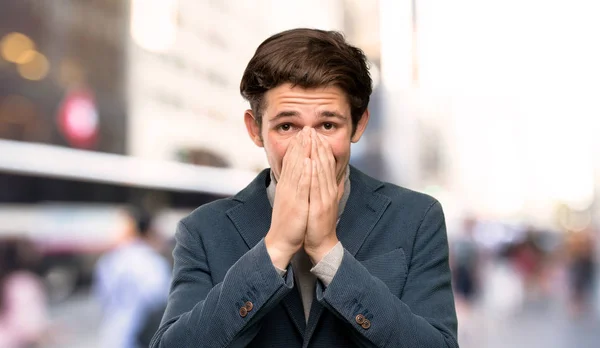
(313,253)
(131,282)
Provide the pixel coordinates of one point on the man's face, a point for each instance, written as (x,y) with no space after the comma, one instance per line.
(290,109)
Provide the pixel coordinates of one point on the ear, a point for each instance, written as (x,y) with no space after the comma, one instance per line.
(253,128)
(361,126)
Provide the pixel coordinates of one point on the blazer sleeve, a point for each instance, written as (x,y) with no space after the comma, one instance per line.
(200,314)
(423,316)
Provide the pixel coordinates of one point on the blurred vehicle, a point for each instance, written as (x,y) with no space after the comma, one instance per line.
(70,202)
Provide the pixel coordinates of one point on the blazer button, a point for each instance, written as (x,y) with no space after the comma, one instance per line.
(366,324)
(360,319)
(249,306)
(243,312)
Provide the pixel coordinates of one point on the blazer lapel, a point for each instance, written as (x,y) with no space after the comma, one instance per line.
(362,212)
(252,219)
(293,306)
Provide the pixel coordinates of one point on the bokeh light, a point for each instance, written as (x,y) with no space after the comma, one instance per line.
(35,68)
(14,45)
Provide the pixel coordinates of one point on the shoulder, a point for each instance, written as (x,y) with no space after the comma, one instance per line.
(215,213)
(209,213)
(405,196)
(401,214)
(399,197)
(416,210)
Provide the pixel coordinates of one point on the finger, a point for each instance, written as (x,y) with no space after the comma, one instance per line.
(315,183)
(287,163)
(332,163)
(329,151)
(290,157)
(297,158)
(308,145)
(319,168)
(314,154)
(305,181)
(326,193)
(329,173)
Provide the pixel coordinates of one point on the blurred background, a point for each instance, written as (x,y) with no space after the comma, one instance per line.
(490,106)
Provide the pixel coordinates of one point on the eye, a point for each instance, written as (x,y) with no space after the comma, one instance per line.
(285,127)
(328,126)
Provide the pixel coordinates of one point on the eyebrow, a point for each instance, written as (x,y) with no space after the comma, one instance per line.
(333,114)
(322,114)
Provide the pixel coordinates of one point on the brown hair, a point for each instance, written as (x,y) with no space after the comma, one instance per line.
(308,58)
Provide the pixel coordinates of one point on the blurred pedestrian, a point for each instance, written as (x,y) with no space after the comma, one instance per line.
(465,260)
(131,282)
(24,318)
(581,270)
(529,260)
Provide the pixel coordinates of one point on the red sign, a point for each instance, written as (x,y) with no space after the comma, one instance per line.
(78,119)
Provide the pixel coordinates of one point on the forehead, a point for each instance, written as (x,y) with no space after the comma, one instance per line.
(294,97)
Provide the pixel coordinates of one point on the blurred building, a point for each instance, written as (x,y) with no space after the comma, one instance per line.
(362,29)
(186,61)
(62,73)
(482,119)
(99,100)
(62,83)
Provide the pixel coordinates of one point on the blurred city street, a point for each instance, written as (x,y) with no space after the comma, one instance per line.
(536,325)
(76,322)
(541,323)
(119,118)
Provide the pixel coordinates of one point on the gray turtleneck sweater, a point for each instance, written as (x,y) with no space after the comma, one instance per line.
(305,273)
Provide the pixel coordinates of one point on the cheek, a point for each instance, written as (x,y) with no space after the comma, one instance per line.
(341,152)
(340,149)
(278,149)
(281,151)
(275,152)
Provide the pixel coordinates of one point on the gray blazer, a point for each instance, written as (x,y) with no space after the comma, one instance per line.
(226,292)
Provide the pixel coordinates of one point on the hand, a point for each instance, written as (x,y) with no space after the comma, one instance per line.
(323,201)
(290,209)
